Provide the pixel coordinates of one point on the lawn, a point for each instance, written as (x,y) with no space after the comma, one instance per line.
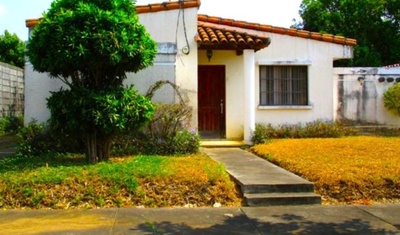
(65,181)
(363,169)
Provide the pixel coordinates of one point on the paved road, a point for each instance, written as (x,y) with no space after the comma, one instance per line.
(303,220)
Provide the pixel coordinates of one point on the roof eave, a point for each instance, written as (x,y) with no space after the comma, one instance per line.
(141,9)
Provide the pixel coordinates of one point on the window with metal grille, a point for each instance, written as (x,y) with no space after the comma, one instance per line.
(283,85)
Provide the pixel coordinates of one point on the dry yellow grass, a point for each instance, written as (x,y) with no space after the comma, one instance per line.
(149,181)
(194,181)
(346,170)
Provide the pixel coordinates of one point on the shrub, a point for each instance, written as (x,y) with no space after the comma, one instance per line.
(317,129)
(166,134)
(33,141)
(391,99)
(13,124)
(37,139)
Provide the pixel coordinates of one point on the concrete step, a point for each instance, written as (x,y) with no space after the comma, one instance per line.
(263,183)
(277,188)
(275,199)
(221,143)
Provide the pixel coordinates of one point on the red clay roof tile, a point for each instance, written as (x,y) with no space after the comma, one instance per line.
(207,35)
(225,39)
(279,30)
(166,6)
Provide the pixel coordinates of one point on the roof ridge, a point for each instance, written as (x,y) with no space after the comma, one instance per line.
(166,6)
(154,7)
(279,30)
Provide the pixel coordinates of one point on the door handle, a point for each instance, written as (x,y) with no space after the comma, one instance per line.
(222,106)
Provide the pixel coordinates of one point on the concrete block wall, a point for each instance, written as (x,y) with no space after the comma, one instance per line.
(11,90)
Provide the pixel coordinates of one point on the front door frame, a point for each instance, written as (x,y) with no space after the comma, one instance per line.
(216,106)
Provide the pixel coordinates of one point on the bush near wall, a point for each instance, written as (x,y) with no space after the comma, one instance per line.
(167,134)
(317,129)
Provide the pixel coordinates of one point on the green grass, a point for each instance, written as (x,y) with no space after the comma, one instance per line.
(65,181)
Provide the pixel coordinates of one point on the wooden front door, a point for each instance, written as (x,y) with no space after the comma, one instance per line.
(211,101)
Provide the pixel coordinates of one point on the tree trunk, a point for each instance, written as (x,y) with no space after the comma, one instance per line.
(104,149)
(91,148)
(98,148)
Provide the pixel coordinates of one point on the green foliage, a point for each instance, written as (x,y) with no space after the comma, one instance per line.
(391,98)
(318,129)
(102,113)
(33,142)
(12,49)
(91,43)
(11,124)
(374,23)
(109,112)
(165,134)
(38,139)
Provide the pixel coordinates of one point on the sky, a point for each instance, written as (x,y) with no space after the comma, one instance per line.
(13,13)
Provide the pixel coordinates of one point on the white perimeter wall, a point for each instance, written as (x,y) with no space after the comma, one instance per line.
(360,95)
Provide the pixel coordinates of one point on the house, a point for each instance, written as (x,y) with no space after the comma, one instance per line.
(234,73)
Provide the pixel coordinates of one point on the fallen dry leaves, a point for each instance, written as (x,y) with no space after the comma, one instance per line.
(145,181)
(363,169)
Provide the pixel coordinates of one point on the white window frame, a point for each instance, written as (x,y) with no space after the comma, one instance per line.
(307,106)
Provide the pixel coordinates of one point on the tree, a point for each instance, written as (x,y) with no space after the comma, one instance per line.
(374,23)
(90,45)
(12,49)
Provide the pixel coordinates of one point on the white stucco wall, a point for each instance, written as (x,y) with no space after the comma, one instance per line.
(181,68)
(283,50)
(318,56)
(37,88)
(170,64)
(360,95)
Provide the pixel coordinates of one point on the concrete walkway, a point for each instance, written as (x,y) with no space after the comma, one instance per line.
(261,182)
(250,169)
(365,220)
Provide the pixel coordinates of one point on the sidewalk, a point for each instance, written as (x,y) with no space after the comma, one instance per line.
(365,220)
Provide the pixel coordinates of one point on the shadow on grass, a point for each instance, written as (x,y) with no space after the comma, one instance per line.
(22,163)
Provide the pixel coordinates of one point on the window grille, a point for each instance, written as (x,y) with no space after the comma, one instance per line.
(283,85)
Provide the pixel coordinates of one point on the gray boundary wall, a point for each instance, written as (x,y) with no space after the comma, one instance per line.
(11,90)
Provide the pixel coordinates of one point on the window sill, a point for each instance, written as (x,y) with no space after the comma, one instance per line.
(286,107)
